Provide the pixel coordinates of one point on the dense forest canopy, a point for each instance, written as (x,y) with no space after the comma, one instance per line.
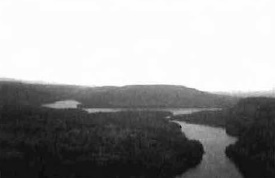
(43,142)
(253,120)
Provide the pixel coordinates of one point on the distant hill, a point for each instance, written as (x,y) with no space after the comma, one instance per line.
(110,96)
(164,96)
(34,94)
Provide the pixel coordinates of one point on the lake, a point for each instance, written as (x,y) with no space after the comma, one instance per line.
(72,104)
(66,104)
(174,111)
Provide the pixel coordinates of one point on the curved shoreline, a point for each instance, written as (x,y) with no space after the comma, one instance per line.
(214,163)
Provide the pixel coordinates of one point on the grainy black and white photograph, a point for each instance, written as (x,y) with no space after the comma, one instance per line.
(137,89)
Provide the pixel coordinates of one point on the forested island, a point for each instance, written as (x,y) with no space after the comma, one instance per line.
(210,118)
(252,120)
(42,142)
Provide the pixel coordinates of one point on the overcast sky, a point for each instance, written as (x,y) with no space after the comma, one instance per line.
(213,45)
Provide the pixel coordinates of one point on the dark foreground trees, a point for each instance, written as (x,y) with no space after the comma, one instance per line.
(253,120)
(41,142)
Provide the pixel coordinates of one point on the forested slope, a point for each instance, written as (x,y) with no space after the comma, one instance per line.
(253,120)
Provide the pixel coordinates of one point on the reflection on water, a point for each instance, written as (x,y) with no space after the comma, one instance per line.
(105,110)
(174,111)
(180,111)
(70,104)
(215,164)
(66,104)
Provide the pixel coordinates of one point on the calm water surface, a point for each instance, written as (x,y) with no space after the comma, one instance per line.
(72,104)
(174,111)
(214,164)
(66,104)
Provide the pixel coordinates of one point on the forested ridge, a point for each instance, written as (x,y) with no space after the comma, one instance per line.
(132,96)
